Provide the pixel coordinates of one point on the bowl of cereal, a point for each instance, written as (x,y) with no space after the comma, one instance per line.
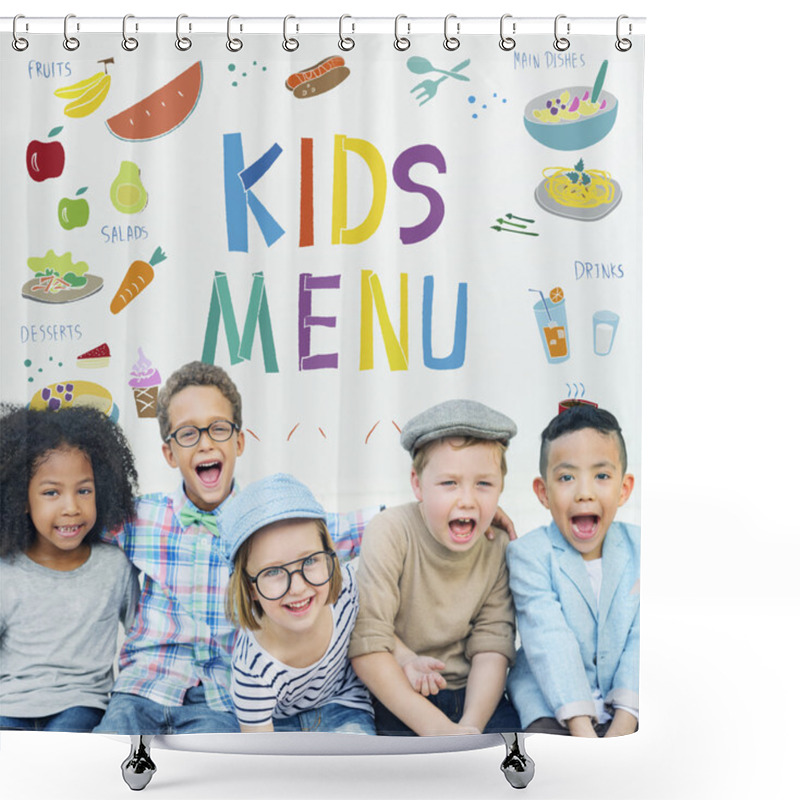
(568,119)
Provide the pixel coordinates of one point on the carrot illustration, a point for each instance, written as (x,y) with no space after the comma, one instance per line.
(138,276)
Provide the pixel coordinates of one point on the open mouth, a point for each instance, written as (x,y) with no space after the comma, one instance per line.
(299,606)
(584,526)
(68,531)
(209,472)
(462,529)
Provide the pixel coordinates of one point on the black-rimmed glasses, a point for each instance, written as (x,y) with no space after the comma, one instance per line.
(272,583)
(189,435)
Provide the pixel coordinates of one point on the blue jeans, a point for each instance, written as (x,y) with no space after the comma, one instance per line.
(80,719)
(131,714)
(451,703)
(330,718)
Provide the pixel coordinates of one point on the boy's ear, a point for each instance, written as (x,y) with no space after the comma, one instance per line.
(239,443)
(540,490)
(627,488)
(415,485)
(169,456)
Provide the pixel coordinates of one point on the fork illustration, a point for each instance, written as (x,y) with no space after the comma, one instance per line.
(428,88)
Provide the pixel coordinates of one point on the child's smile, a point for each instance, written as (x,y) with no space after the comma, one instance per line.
(458,490)
(584,487)
(206,467)
(61,505)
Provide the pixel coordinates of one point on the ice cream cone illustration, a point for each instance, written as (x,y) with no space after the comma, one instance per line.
(144,381)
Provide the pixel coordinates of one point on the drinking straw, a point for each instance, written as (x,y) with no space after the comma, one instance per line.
(544,302)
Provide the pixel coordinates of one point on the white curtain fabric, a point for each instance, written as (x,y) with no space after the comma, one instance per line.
(354,235)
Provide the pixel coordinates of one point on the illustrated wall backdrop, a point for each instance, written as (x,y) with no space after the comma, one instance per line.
(354,235)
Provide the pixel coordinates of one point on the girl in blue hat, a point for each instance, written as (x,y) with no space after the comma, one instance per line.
(295,606)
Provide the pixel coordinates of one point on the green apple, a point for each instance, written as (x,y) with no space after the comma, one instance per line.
(73,213)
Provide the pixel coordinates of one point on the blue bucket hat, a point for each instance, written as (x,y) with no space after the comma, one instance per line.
(271,499)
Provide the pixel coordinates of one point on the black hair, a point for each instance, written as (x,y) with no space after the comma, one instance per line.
(27,437)
(576,418)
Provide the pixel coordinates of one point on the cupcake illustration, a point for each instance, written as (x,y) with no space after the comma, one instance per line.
(144,381)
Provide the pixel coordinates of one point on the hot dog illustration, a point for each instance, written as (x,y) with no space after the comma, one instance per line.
(322,77)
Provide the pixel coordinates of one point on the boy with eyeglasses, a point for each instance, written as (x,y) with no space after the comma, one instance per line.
(175,663)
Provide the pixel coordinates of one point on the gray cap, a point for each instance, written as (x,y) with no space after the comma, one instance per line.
(271,499)
(456,418)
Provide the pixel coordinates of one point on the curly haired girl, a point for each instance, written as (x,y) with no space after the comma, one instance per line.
(64,477)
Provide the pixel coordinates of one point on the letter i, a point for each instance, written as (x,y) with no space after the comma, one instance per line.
(306,192)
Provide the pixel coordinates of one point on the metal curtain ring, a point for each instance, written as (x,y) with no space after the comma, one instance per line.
(623,45)
(507,42)
(346,42)
(401,42)
(128,42)
(70,42)
(19,43)
(182,42)
(233,44)
(290,44)
(561,43)
(451,42)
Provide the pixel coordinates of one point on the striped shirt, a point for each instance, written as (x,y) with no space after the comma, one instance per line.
(264,688)
(181,636)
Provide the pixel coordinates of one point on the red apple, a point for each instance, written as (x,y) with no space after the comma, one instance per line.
(45,159)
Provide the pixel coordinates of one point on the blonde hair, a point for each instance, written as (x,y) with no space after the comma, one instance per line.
(241,606)
(422,455)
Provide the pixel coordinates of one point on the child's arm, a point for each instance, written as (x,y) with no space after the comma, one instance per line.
(485,684)
(581,726)
(622,724)
(383,676)
(423,672)
(549,644)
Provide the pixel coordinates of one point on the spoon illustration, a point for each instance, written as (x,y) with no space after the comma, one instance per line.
(599,80)
(420,66)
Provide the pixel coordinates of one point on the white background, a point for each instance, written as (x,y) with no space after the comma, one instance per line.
(720,447)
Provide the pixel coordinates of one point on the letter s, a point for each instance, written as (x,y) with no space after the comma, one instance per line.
(428,154)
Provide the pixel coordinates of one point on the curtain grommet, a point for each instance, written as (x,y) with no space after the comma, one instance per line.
(346,43)
(183,43)
(233,44)
(19,43)
(290,44)
(401,43)
(561,43)
(129,43)
(507,42)
(71,43)
(451,42)
(623,44)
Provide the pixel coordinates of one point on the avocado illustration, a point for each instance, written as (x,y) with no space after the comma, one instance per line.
(128,194)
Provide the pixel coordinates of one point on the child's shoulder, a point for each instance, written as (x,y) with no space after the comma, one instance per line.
(107,556)
(539,540)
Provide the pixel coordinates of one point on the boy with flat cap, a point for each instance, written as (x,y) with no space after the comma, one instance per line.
(435,632)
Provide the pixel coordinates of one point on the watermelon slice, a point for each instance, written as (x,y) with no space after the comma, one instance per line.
(162,111)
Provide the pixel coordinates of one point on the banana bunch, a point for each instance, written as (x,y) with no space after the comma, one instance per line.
(86,95)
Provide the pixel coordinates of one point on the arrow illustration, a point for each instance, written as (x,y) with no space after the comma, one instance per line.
(513,216)
(511,230)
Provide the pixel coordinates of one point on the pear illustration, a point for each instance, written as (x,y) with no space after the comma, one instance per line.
(128,194)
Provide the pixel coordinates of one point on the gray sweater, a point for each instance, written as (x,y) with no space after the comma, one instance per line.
(58,631)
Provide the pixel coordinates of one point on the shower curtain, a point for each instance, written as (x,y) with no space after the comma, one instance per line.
(354,231)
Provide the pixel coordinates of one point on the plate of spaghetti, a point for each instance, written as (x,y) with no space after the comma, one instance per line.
(578,193)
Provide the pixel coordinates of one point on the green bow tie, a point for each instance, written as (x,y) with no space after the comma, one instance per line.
(193,516)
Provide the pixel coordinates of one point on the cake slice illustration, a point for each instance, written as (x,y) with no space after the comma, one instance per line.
(95,358)
(144,381)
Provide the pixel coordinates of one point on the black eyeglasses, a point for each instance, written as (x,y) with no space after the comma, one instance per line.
(272,583)
(189,435)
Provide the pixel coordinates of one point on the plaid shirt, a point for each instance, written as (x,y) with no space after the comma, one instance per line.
(181,636)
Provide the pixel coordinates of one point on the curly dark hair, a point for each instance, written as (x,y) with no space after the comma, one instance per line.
(26,437)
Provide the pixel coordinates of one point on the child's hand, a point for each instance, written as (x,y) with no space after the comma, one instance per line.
(503,521)
(581,726)
(423,673)
(622,724)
